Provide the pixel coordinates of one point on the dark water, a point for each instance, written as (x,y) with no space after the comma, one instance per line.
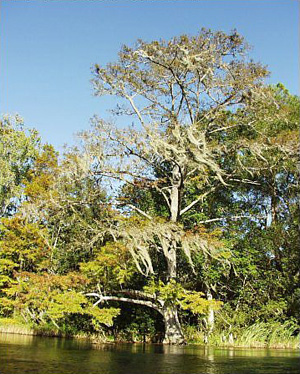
(36,355)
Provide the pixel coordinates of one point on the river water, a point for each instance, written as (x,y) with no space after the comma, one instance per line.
(21,354)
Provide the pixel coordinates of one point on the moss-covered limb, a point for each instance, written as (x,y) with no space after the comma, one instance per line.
(146,303)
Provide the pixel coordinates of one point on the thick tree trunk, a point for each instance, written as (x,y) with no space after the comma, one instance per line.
(173,331)
(171,261)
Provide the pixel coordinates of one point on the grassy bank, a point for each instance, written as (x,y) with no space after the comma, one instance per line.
(12,326)
(259,335)
(15,326)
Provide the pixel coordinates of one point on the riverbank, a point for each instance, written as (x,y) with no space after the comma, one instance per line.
(262,335)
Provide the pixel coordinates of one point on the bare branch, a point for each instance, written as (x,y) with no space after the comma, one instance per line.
(140,211)
(245,181)
(200,198)
(138,113)
(234,218)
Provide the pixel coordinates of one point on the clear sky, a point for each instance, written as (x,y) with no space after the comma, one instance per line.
(48,47)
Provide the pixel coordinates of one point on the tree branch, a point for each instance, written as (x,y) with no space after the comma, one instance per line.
(147,303)
(245,181)
(139,211)
(232,217)
(129,98)
(200,198)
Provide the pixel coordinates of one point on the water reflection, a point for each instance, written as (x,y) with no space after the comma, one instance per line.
(35,355)
(16,338)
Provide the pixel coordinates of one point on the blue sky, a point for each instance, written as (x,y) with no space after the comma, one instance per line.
(48,47)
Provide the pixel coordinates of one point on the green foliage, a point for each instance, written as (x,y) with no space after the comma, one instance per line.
(23,243)
(41,176)
(168,292)
(197,304)
(174,293)
(6,270)
(24,246)
(50,298)
(18,149)
(112,266)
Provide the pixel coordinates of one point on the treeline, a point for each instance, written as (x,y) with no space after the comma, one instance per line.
(183,225)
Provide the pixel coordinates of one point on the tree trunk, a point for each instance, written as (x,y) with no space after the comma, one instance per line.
(171,261)
(211,315)
(173,331)
(210,320)
(175,195)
